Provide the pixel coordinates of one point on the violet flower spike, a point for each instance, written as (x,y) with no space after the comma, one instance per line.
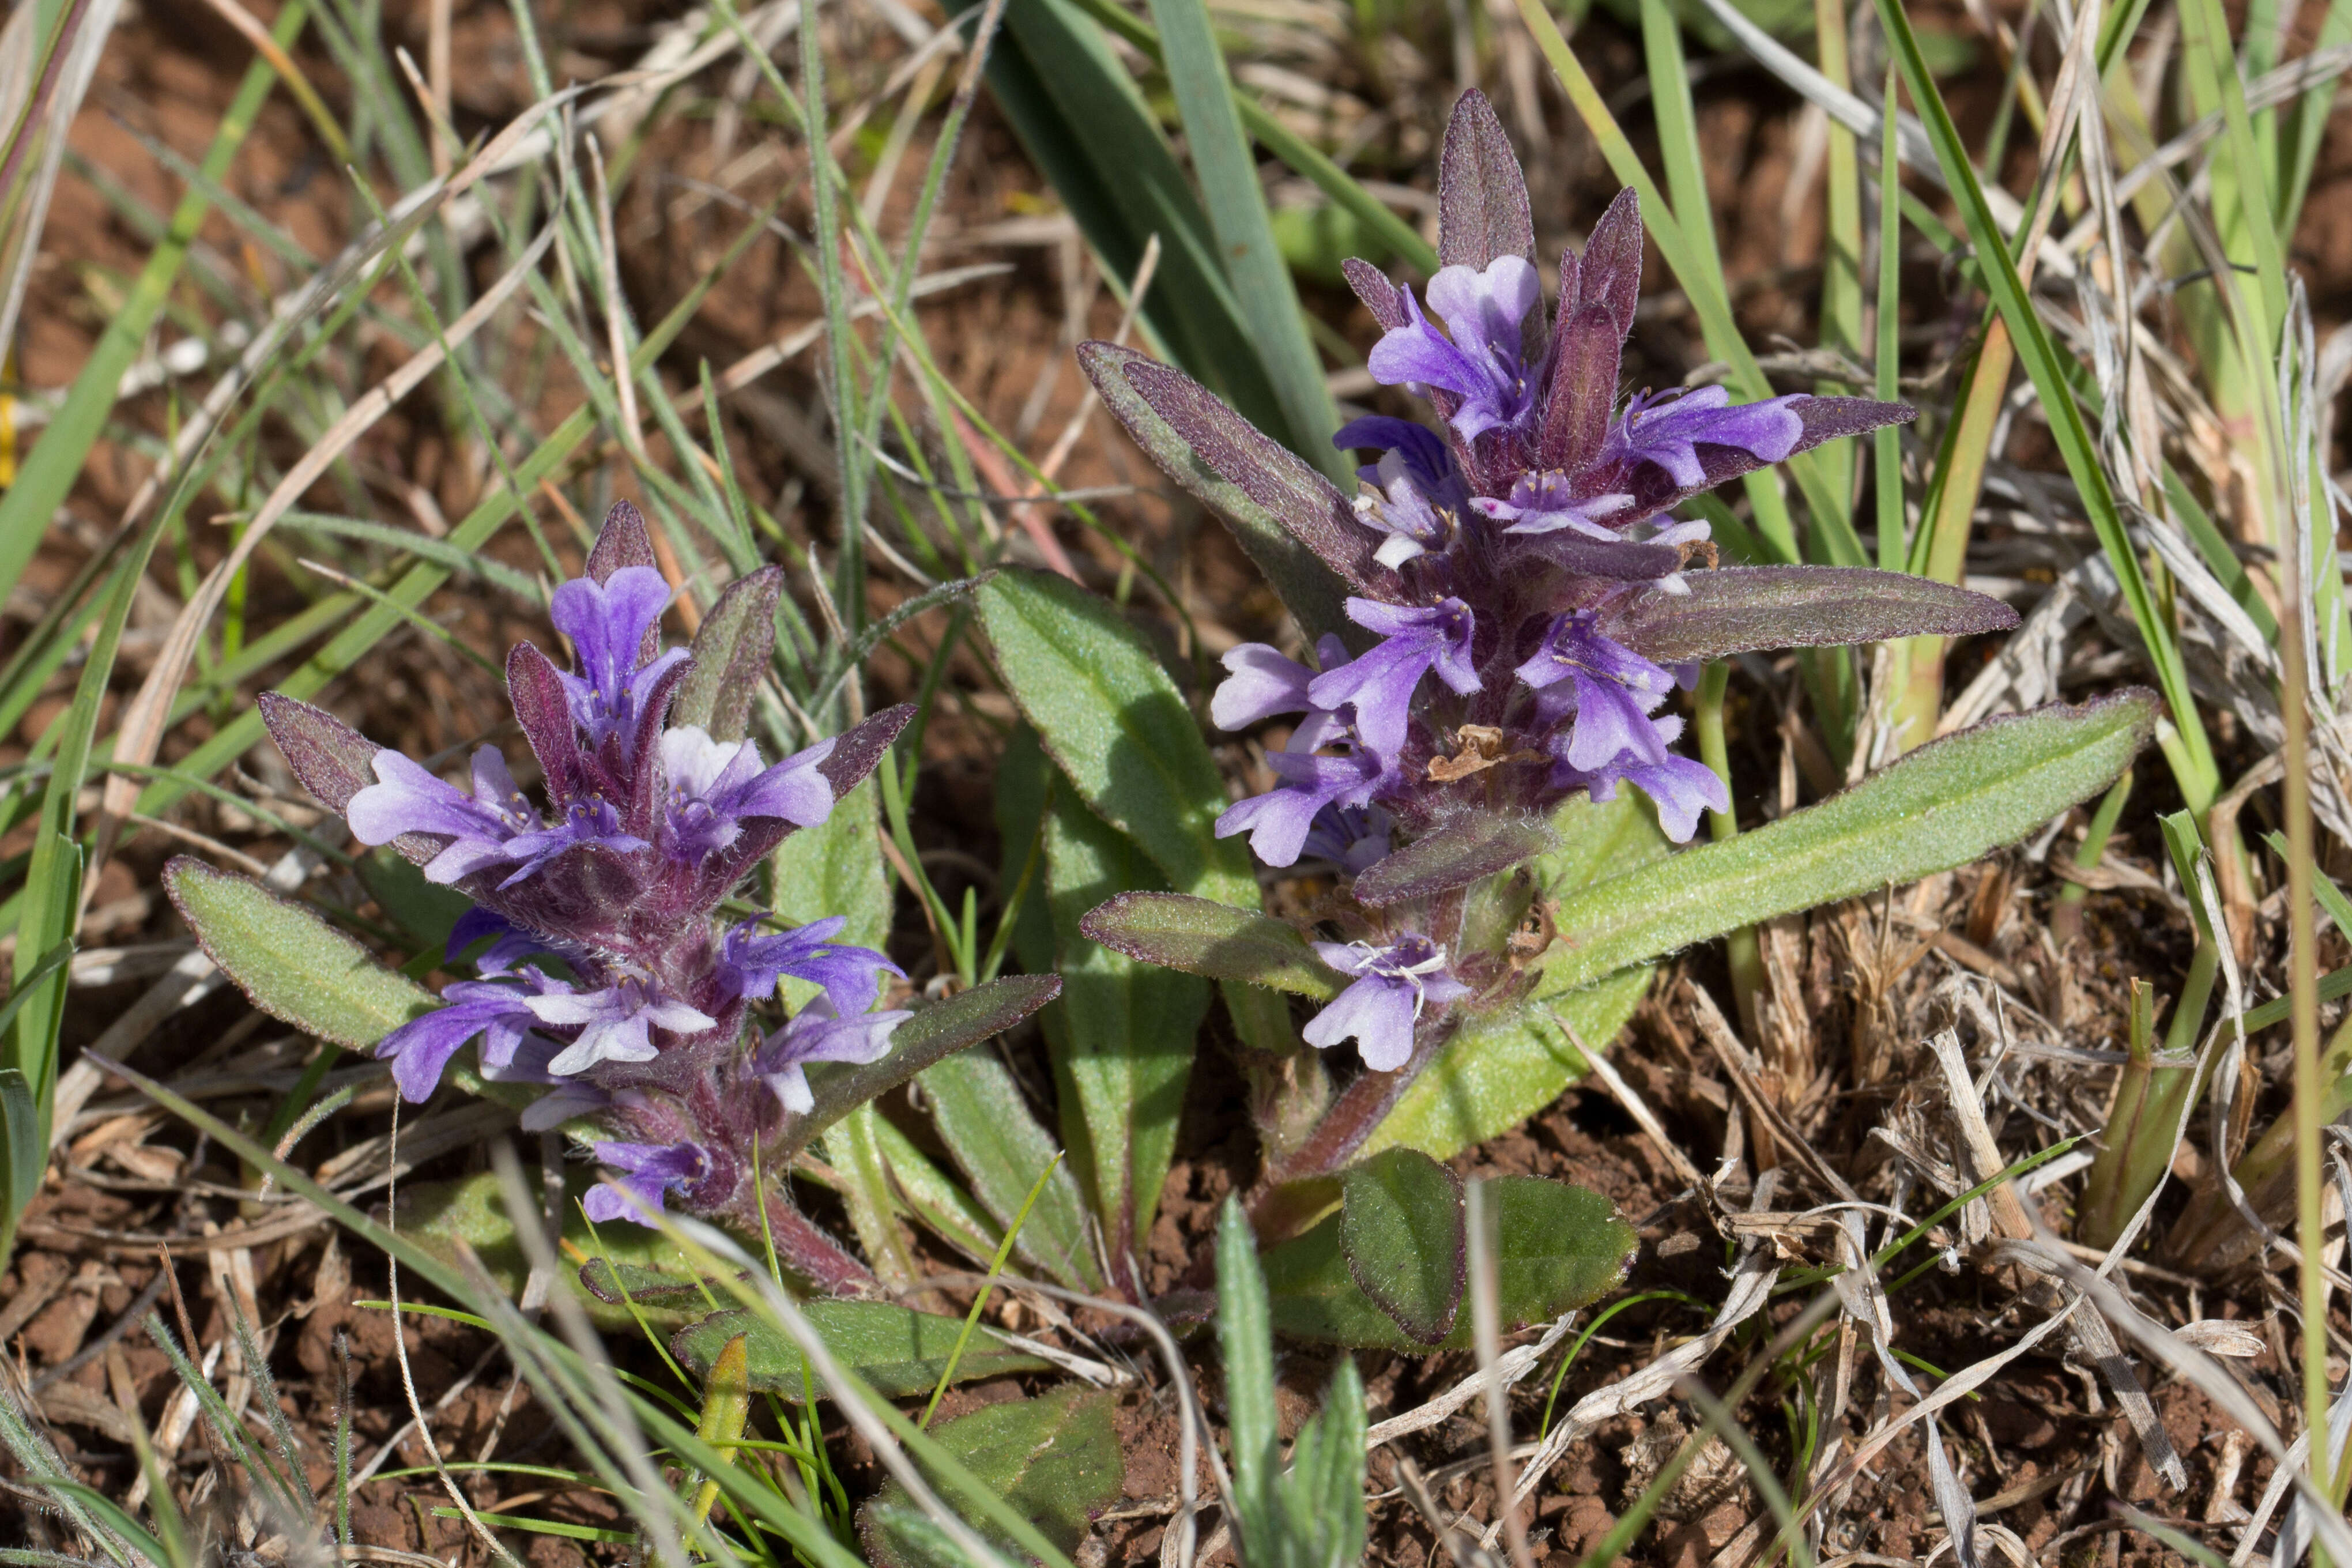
(1380,1010)
(817,1034)
(608,622)
(649,1172)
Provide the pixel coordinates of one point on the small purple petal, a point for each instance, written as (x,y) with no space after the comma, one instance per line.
(1662,430)
(1263,682)
(419,1050)
(1381,1008)
(754,965)
(648,1173)
(817,1034)
(1277,821)
(1381,682)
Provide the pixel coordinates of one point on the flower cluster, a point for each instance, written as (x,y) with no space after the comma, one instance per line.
(1519,600)
(604,971)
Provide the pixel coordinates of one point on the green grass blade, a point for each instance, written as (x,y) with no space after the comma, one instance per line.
(57,459)
(2200,780)
(1236,202)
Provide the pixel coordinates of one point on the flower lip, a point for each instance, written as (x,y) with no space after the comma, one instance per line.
(1380,1010)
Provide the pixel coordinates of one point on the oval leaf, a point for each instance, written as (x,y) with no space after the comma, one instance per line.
(1560,1247)
(900,1351)
(1474,844)
(1115,724)
(1401,1232)
(1482,197)
(1736,608)
(292,964)
(1941,806)
(1055,1460)
(1179,932)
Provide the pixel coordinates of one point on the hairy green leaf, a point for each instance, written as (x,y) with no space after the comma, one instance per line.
(1943,806)
(934,1033)
(1055,1459)
(1216,940)
(997,1144)
(1558,1248)
(1308,586)
(899,1352)
(1115,725)
(1473,844)
(1401,1232)
(292,964)
(731,650)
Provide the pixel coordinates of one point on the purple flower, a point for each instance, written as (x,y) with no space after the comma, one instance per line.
(1424,452)
(754,965)
(1616,692)
(616,1022)
(1279,820)
(1481,363)
(713,784)
(480,827)
(1379,1010)
(1679,787)
(1393,503)
(1541,504)
(1660,429)
(587,819)
(419,1050)
(1352,837)
(509,944)
(648,1173)
(1264,681)
(1381,682)
(818,1034)
(609,625)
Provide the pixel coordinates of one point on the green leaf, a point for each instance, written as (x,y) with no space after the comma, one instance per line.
(1401,1232)
(731,650)
(835,868)
(1117,728)
(1323,1492)
(940,1030)
(1474,844)
(1090,132)
(471,1212)
(23,1155)
(900,1351)
(1055,1459)
(988,1127)
(1942,806)
(617,1283)
(1124,1045)
(1558,1248)
(1246,1336)
(2055,398)
(1308,588)
(1216,940)
(1236,202)
(293,965)
(427,912)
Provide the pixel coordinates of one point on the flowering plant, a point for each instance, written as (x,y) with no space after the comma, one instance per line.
(1499,618)
(606,973)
